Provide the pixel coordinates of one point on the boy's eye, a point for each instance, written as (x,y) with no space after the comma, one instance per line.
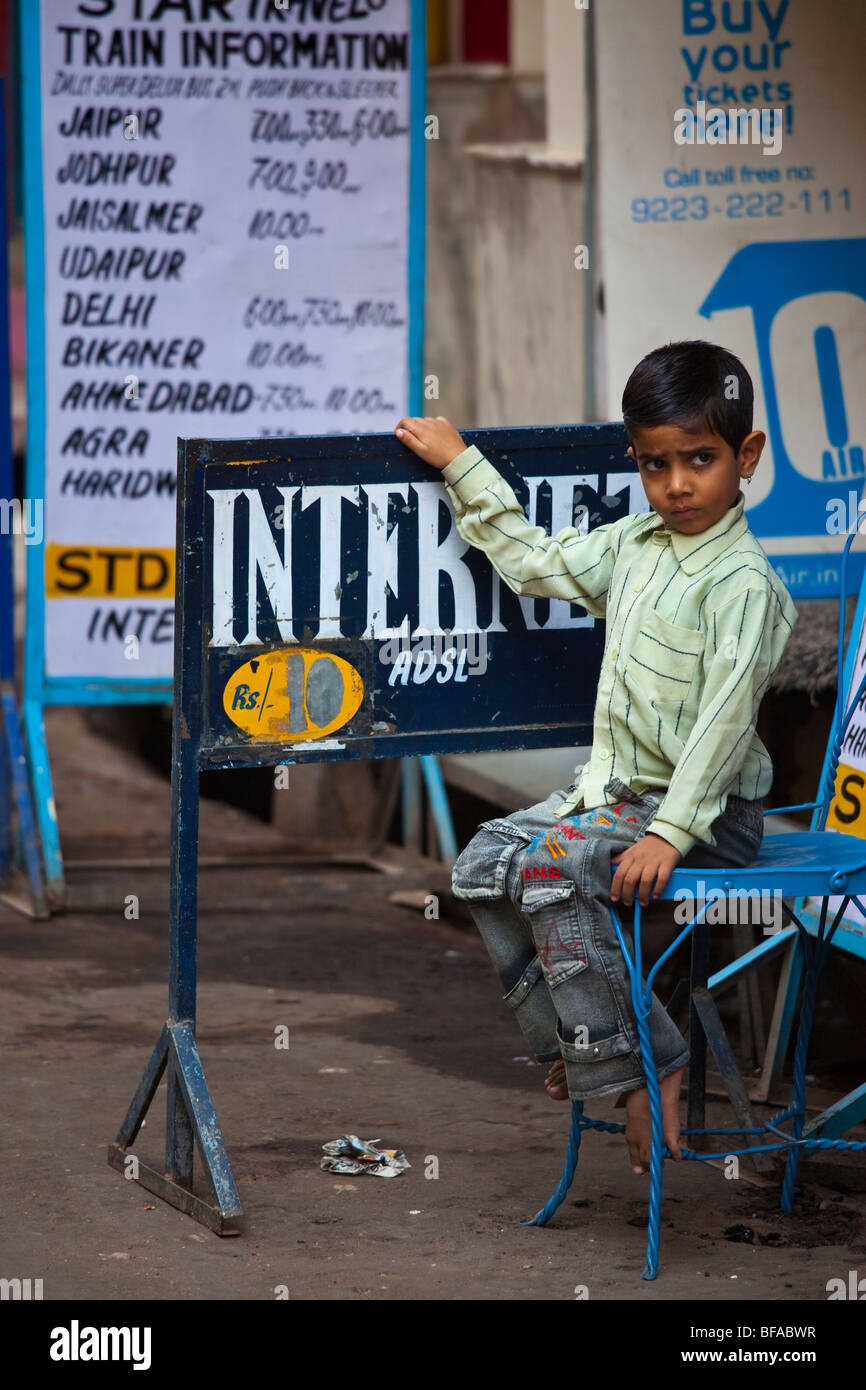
(652,465)
(702,458)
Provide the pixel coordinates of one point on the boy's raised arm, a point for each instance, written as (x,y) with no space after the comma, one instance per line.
(571,565)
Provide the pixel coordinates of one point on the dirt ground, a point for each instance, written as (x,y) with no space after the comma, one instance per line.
(396,1032)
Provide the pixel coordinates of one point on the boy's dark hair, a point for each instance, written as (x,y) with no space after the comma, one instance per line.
(690,384)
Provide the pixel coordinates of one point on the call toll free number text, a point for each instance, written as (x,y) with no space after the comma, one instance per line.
(699,206)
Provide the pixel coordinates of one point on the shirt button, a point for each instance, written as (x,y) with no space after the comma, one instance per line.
(637,588)
(603,753)
(613,653)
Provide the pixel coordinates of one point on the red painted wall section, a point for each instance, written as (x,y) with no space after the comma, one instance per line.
(485,31)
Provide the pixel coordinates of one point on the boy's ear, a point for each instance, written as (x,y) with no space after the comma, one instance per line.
(750,452)
(630,452)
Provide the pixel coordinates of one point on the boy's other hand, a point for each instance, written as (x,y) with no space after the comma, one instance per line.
(648,861)
(433,438)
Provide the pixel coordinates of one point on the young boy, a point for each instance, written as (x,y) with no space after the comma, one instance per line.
(697,621)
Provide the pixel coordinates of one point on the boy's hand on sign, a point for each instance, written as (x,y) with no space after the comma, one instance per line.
(648,861)
(433,438)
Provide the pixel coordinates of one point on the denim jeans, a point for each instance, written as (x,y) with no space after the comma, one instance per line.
(538,888)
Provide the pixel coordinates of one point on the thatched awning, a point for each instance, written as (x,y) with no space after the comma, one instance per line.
(809,662)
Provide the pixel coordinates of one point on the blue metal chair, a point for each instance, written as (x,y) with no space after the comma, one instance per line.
(818,863)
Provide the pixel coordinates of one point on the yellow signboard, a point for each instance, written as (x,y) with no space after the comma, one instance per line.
(293,695)
(108,571)
(848,807)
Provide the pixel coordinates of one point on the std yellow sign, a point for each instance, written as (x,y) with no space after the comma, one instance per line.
(848,807)
(108,571)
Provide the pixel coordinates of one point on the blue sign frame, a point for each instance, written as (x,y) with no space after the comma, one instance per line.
(39,689)
(14,780)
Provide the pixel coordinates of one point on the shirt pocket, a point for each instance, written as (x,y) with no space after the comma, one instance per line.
(663,658)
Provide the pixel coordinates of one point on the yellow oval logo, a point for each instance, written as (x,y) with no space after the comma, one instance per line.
(293,694)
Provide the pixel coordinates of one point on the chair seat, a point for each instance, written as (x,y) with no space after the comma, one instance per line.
(818,863)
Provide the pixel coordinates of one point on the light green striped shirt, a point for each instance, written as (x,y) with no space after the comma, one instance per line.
(696,626)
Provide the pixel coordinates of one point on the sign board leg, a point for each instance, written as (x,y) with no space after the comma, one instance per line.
(182,951)
(145,1093)
(34,728)
(178,1131)
(191,1116)
(439,807)
(200,1119)
(15,765)
(411,811)
(5,806)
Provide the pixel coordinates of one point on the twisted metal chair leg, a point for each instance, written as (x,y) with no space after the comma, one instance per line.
(798,1095)
(656,1145)
(543,1216)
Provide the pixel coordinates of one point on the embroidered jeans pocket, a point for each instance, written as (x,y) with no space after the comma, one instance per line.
(663,658)
(551,910)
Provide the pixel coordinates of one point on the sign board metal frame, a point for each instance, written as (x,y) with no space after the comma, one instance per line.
(40,689)
(14,781)
(204,737)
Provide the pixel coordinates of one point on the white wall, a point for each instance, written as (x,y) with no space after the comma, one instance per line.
(564,62)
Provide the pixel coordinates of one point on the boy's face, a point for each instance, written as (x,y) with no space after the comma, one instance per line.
(691,479)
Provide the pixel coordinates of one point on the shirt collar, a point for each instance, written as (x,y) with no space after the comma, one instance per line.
(695,552)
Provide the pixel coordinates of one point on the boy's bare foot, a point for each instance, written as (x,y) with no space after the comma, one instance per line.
(638,1130)
(555,1082)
